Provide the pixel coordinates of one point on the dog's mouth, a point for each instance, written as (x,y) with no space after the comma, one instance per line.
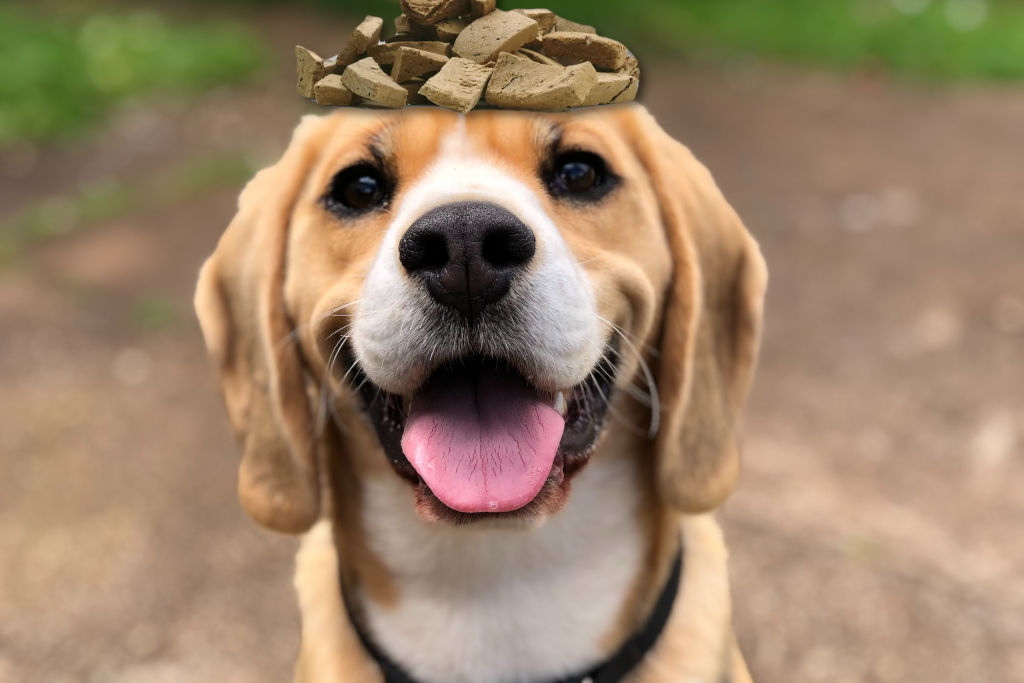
(477,439)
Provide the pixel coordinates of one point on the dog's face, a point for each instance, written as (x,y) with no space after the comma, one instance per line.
(468,296)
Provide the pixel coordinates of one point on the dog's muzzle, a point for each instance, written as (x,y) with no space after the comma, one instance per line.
(481,423)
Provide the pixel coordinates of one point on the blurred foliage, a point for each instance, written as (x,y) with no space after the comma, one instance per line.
(936,39)
(109,200)
(153,312)
(59,76)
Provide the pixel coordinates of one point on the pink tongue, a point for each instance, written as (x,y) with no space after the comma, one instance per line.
(483,442)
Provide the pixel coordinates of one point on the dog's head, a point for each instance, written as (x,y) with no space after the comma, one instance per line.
(483,289)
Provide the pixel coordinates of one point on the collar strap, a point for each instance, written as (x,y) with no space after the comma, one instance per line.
(612,670)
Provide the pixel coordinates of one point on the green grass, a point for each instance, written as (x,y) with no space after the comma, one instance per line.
(109,200)
(58,77)
(839,34)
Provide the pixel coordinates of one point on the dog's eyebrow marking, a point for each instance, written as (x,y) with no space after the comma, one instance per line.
(380,144)
(551,138)
(380,149)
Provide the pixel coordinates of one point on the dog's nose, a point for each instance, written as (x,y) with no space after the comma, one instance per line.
(467,253)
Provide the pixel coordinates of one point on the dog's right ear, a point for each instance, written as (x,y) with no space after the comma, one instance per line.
(711,327)
(248,333)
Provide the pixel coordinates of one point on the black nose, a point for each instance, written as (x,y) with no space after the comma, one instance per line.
(467,254)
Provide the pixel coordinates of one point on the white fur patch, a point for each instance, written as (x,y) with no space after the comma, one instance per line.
(499,603)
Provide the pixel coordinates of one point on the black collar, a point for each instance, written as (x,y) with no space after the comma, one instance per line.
(613,669)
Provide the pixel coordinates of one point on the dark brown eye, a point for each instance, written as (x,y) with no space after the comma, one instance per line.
(356,190)
(577,176)
(580,175)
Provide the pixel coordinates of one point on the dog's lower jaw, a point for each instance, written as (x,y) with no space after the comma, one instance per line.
(500,602)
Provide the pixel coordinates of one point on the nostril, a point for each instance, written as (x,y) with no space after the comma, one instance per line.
(434,249)
(423,250)
(507,247)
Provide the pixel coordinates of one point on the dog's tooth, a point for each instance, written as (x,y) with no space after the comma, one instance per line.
(559,404)
(407,403)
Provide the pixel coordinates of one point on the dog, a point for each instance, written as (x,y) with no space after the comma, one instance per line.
(490,366)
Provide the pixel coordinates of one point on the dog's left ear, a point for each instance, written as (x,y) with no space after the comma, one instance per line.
(240,304)
(711,325)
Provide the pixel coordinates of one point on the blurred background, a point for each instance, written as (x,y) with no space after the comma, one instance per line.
(874,147)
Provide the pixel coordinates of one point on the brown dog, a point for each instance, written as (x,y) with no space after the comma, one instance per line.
(427,327)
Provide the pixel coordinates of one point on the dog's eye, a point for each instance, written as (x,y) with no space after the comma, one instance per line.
(357,189)
(577,176)
(581,175)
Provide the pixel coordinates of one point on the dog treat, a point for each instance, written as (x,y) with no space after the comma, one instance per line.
(367,80)
(574,48)
(413,88)
(449,29)
(385,53)
(329,90)
(430,12)
(536,56)
(519,83)
(410,63)
(460,54)
(480,8)
(545,18)
(459,85)
(310,69)
(631,66)
(562,24)
(364,35)
(487,37)
(404,26)
(612,88)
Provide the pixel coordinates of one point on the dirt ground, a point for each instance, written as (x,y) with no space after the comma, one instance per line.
(876,536)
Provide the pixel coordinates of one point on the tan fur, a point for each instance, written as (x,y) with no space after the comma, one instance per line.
(670,265)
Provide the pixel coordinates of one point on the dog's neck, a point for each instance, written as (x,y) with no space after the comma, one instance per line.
(500,602)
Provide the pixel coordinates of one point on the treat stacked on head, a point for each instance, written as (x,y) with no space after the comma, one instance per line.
(461,54)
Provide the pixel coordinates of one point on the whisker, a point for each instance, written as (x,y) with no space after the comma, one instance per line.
(655,402)
(294,334)
(616,415)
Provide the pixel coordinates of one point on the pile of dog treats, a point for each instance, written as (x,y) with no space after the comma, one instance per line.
(463,53)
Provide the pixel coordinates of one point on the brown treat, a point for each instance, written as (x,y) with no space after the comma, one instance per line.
(413,88)
(331,91)
(310,69)
(498,32)
(535,56)
(365,79)
(574,48)
(566,25)
(410,63)
(385,54)
(480,8)
(459,85)
(545,18)
(429,12)
(519,83)
(369,104)
(404,26)
(631,66)
(363,36)
(449,29)
(612,88)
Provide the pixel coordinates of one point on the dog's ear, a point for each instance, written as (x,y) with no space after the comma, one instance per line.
(239,301)
(711,324)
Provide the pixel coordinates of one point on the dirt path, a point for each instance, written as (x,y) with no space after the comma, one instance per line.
(877,530)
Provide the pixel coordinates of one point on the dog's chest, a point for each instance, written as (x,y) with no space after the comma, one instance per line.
(480,604)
